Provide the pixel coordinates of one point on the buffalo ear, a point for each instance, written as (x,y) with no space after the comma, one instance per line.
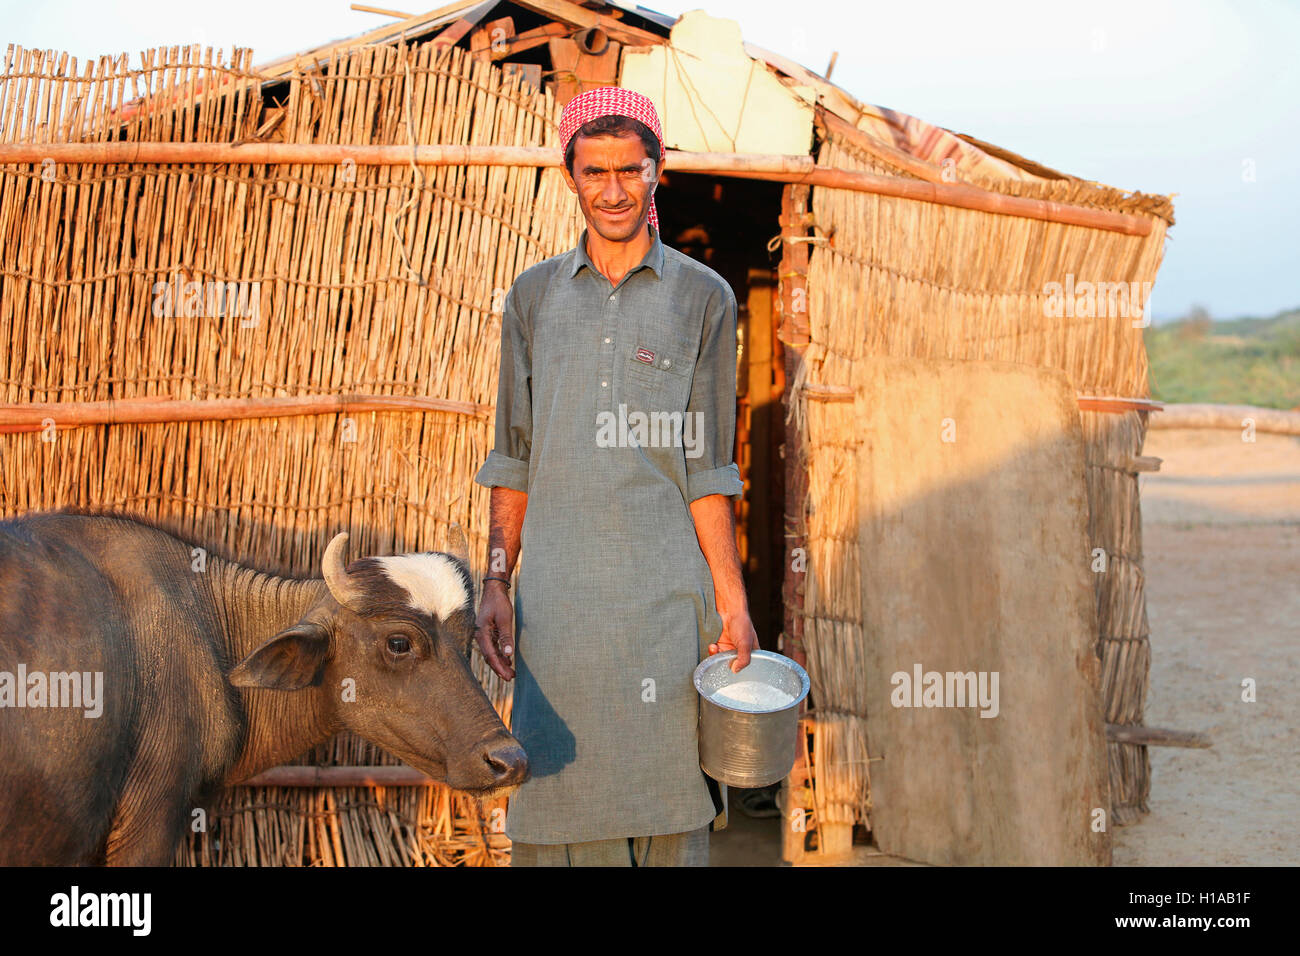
(471,627)
(291,660)
(467,647)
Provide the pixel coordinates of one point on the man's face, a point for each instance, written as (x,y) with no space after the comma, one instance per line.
(614,180)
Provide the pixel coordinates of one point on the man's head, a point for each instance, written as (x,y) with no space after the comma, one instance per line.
(613,156)
(615,125)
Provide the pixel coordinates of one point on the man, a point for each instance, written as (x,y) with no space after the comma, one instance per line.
(632,574)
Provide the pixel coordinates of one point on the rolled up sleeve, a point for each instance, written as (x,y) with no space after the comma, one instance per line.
(507,464)
(712,405)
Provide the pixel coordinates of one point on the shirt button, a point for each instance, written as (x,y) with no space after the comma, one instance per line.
(606,341)
(613,298)
(667,362)
(604,384)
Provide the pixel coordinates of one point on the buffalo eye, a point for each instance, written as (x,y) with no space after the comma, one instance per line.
(399,645)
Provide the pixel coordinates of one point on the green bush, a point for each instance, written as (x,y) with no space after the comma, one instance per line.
(1238,362)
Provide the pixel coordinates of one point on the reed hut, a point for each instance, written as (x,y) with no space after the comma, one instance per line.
(261,304)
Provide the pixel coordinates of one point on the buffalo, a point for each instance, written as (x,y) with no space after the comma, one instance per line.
(139,676)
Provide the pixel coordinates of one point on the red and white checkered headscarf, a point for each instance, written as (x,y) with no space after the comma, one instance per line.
(610,101)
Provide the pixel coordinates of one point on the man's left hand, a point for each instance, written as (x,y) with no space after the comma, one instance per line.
(738,635)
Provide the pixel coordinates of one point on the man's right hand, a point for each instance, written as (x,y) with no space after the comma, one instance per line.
(494,629)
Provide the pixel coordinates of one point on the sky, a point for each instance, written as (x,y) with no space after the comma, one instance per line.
(1196,98)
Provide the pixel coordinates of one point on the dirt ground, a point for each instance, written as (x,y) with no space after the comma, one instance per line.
(1221,526)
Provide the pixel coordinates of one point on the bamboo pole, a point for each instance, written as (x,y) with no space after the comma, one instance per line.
(778,168)
(331,154)
(1232,417)
(792,334)
(921,168)
(33,416)
(1115,404)
(296,776)
(960,196)
(835,98)
(286,64)
(271,154)
(397,14)
(1087,403)
(576,15)
(1140,463)
(1157,737)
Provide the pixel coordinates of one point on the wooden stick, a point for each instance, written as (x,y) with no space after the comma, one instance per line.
(778,168)
(838,100)
(1087,403)
(362,8)
(792,340)
(961,196)
(1110,403)
(285,64)
(538,36)
(453,34)
(31,416)
(338,777)
(573,14)
(331,154)
(1141,463)
(1157,737)
(828,393)
(883,151)
(1231,417)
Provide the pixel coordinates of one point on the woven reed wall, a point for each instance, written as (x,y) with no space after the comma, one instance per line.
(918,279)
(372,280)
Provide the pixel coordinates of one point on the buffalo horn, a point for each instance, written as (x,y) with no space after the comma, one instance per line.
(337,579)
(459,545)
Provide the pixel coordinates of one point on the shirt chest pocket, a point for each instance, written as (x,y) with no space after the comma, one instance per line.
(657,377)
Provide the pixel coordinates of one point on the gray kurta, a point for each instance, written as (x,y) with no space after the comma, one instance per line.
(615,602)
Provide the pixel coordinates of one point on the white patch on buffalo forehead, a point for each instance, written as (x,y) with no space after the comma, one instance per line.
(432,580)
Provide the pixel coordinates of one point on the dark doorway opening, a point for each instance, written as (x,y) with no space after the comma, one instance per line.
(727,224)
